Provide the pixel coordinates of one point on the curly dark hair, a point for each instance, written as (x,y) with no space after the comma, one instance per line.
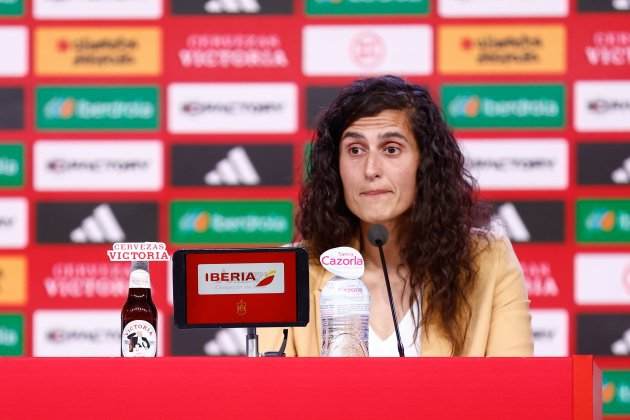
(438,243)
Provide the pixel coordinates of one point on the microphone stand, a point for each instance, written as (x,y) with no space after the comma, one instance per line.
(401,350)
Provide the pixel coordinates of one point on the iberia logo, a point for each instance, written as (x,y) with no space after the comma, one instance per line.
(267,279)
(465,106)
(602,220)
(240,277)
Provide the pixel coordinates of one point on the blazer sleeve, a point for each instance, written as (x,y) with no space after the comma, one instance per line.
(510,327)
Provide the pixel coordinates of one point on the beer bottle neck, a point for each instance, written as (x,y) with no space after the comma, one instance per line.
(139,293)
(139,279)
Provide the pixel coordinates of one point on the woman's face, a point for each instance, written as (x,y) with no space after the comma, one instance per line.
(378,160)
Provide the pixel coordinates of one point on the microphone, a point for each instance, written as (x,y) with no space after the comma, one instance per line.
(377,235)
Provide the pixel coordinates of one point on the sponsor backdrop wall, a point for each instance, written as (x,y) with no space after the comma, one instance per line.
(187,121)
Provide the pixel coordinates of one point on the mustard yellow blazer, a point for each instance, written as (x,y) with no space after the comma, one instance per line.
(500,324)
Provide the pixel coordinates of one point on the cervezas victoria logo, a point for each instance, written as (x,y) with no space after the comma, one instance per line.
(246,278)
(233,51)
(609,48)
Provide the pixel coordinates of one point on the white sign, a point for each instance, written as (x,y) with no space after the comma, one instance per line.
(503,8)
(343,261)
(602,279)
(354,50)
(82,165)
(80,333)
(238,279)
(232,108)
(14,42)
(522,164)
(13,222)
(602,106)
(138,251)
(551,332)
(97,9)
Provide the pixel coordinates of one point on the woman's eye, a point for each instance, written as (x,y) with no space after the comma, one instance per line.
(355,150)
(392,150)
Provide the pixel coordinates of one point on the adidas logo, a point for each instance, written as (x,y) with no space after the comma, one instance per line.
(101,226)
(235,169)
(228,341)
(622,175)
(621,347)
(508,222)
(232,6)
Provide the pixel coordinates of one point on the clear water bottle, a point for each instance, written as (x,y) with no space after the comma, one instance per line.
(345,310)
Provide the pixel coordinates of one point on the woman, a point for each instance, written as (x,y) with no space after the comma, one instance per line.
(382,154)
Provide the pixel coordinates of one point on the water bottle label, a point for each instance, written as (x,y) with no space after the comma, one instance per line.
(139,339)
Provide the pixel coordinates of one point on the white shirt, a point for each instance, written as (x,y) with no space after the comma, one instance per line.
(389,346)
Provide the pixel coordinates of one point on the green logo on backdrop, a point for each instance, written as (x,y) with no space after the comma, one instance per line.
(603,221)
(11,165)
(367,7)
(11,335)
(11,7)
(504,106)
(616,391)
(97,107)
(231,222)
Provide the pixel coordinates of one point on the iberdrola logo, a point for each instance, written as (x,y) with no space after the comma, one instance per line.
(608,392)
(601,220)
(60,108)
(195,221)
(465,106)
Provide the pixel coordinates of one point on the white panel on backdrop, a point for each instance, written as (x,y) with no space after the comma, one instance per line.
(551,332)
(13,222)
(602,106)
(602,279)
(330,50)
(87,333)
(503,8)
(83,165)
(14,48)
(232,108)
(525,164)
(102,9)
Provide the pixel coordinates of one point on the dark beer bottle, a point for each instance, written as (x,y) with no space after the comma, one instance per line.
(139,316)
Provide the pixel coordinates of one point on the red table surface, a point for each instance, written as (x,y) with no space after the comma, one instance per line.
(444,388)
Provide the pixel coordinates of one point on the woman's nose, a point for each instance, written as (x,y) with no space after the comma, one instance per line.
(372,166)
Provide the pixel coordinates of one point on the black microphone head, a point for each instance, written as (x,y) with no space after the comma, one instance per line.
(377,235)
